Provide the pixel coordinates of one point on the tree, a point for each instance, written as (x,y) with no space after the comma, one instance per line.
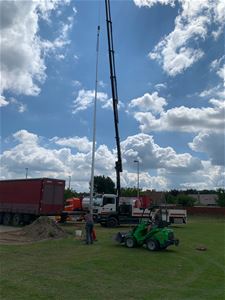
(185,200)
(104,185)
(221,197)
(129,192)
(170,199)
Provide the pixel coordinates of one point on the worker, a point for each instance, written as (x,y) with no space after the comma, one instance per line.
(89,226)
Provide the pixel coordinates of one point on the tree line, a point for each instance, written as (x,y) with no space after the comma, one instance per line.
(103,184)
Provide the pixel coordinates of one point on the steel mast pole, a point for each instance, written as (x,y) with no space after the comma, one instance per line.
(94,124)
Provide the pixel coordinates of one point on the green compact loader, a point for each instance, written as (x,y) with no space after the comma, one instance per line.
(154,233)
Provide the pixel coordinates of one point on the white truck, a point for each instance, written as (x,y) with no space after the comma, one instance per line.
(131,209)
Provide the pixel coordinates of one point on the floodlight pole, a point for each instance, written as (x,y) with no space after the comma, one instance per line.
(137,162)
(26,172)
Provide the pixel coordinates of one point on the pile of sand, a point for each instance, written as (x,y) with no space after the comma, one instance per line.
(41,229)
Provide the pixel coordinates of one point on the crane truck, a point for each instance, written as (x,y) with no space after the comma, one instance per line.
(113,209)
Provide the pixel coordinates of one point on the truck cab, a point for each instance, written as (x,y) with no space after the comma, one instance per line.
(131,209)
(107,204)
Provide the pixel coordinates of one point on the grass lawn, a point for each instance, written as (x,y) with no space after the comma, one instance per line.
(68,269)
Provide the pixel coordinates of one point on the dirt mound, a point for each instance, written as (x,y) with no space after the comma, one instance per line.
(44,228)
(41,229)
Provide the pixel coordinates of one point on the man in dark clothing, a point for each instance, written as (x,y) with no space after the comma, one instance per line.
(89,228)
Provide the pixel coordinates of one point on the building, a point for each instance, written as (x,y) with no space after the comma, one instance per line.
(205,199)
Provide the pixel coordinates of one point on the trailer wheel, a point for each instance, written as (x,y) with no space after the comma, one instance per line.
(112,222)
(16,219)
(7,219)
(130,242)
(152,245)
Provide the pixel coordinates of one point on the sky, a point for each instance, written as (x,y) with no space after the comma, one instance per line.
(170,65)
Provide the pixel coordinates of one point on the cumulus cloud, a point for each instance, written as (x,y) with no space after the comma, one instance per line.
(149,102)
(80,143)
(185,119)
(211,143)
(170,169)
(152,156)
(146,181)
(175,51)
(22,49)
(210,177)
(43,161)
(86,98)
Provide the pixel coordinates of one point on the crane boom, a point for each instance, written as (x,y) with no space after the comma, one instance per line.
(118,165)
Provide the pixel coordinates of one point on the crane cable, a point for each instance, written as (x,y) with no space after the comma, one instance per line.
(94,116)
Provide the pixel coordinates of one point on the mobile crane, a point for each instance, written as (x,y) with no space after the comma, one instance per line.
(118,165)
(114,209)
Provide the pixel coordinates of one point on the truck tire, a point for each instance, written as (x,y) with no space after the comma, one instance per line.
(152,245)
(27,219)
(112,222)
(7,219)
(16,219)
(130,242)
(1,218)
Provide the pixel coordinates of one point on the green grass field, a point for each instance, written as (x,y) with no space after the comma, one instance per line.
(69,269)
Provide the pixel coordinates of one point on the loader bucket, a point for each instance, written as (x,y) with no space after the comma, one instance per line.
(120,237)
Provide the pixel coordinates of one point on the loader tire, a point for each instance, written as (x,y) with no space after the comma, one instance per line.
(152,245)
(130,242)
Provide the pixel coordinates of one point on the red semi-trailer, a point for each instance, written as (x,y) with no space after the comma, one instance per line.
(23,200)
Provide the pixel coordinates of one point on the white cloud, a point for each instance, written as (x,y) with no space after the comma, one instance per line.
(174,52)
(160,86)
(211,143)
(171,170)
(21,107)
(215,92)
(210,177)
(152,156)
(76,83)
(146,181)
(219,66)
(82,144)
(185,119)
(3,101)
(57,163)
(149,102)
(150,3)
(86,98)
(22,49)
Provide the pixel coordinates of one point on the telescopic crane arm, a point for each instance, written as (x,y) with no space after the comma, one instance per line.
(118,165)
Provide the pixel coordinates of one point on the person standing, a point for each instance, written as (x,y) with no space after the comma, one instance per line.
(89,226)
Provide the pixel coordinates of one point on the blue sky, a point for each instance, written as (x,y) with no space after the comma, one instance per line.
(170,64)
